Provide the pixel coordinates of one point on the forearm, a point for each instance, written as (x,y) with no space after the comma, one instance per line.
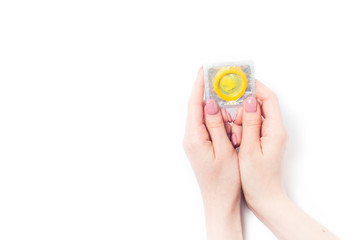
(289,222)
(223,222)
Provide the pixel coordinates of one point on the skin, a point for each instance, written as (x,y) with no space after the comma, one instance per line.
(215,163)
(222,173)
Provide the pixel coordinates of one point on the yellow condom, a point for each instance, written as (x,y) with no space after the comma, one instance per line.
(230,83)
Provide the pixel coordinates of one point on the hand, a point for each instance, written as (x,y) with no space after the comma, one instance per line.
(259,128)
(214,161)
(262,147)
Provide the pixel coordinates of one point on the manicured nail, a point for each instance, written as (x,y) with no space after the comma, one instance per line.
(234,139)
(200,69)
(211,107)
(229,117)
(250,104)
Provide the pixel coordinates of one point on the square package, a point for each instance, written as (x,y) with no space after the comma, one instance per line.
(229,83)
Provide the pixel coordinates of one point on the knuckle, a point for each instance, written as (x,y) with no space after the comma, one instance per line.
(282,135)
(189,144)
(252,122)
(186,143)
(274,96)
(215,124)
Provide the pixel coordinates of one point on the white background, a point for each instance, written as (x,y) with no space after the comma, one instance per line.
(93,99)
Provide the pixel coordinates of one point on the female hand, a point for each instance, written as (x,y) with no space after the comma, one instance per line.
(259,128)
(215,163)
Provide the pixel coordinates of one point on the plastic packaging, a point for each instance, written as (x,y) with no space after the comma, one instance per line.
(229,83)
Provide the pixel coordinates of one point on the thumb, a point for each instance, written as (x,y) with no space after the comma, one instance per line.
(251,124)
(215,125)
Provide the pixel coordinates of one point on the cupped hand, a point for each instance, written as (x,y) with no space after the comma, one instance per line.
(259,129)
(215,163)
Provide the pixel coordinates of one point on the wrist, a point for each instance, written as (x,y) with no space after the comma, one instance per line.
(221,204)
(223,221)
(221,210)
(266,208)
(258,201)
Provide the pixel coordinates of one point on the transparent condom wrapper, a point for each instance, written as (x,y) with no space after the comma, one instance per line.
(229,83)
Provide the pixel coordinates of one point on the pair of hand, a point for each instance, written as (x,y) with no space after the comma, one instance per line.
(210,143)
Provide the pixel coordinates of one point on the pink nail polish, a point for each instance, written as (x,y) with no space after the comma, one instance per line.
(211,107)
(234,139)
(229,117)
(200,69)
(250,104)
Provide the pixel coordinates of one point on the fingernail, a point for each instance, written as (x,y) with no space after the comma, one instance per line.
(211,107)
(250,104)
(200,69)
(234,139)
(229,117)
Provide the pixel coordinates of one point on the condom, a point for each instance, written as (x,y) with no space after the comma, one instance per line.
(229,83)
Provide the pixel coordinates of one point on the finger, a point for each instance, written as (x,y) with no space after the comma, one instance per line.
(236,132)
(227,119)
(238,116)
(228,129)
(251,125)
(226,116)
(273,124)
(236,129)
(270,103)
(195,116)
(216,128)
